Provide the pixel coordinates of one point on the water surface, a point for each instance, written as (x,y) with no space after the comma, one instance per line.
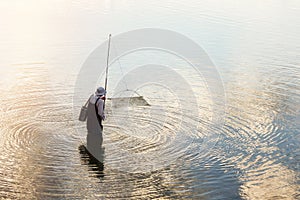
(255,155)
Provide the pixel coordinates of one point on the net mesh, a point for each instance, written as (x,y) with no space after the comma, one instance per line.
(128,101)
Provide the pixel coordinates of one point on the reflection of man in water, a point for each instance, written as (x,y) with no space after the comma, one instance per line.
(94,123)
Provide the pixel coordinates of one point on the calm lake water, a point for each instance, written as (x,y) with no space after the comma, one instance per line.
(171,149)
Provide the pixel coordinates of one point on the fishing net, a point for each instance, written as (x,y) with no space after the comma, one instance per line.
(128,98)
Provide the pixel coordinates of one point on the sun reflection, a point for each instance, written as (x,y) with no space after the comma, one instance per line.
(274,182)
(257,137)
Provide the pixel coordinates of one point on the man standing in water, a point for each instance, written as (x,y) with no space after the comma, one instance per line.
(95,117)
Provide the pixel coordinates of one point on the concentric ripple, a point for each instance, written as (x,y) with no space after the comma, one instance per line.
(157,151)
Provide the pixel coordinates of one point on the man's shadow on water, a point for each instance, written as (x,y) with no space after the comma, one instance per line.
(94,164)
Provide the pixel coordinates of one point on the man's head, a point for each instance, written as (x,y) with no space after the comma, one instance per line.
(100,91)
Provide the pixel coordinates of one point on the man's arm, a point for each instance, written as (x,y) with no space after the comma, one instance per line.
(100,109)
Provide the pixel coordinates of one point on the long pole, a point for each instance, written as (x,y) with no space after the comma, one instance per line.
(106,71)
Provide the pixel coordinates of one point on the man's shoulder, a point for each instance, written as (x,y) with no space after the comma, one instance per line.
(100,101)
